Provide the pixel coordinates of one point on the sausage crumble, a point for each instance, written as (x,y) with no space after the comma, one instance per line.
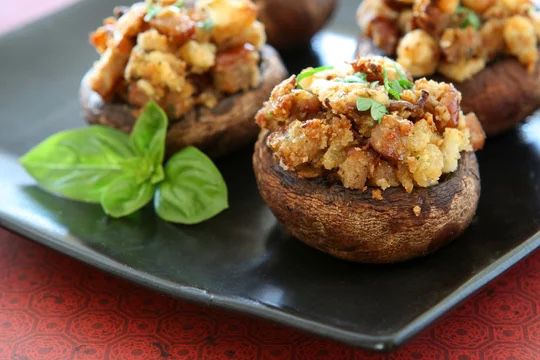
(367,124)
(178,53)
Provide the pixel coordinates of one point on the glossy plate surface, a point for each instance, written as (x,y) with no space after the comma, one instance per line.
(242,259)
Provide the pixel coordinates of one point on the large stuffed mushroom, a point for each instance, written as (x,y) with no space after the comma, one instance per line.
(488,48)
(204,62)
(362,163)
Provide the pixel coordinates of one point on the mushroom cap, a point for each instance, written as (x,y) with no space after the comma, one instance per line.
(217,131)
(293,23)
(351,225)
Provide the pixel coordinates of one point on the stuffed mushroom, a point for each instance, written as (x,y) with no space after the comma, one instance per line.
(292,23)
(363,163)
(488,48)
(204,62)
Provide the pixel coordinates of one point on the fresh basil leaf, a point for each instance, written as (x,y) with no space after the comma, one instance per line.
(148,134)
(79,164)
(125,196)
(141,169)
(158,175)
(193,189)
(310,72)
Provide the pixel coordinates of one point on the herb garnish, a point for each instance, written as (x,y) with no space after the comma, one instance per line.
(207,24)
(153,9)
(355,78)
(310,72)
(469,18)
(124,172)
(377,110)
(394,88)
(151,12)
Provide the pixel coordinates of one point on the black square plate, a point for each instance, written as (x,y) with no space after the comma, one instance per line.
(242,259)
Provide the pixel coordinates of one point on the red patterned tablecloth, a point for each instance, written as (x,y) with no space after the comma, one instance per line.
(55,307)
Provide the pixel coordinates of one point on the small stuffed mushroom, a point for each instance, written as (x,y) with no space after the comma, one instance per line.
(204,62)
(293,23)
(362,163)
(488,48)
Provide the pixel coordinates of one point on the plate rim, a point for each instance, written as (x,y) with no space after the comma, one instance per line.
(374,342)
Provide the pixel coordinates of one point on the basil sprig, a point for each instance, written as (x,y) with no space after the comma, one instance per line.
(190,178)
(124,172)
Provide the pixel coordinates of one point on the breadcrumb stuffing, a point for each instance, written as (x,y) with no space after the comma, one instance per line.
(179,54)
(416,134)
(455,38)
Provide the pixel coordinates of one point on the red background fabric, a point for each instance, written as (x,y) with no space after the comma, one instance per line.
(55,307)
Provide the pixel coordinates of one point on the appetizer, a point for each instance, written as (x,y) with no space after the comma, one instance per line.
(363,163)
(204,62)
(488,48)
(293,23)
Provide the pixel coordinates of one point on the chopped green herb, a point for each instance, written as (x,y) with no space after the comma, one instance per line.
(206,24)
(394,88)
(405,83)
(152,12)
(377,110)
(404,79)
(469,18)
(310,72)
(180,4)
(355,78)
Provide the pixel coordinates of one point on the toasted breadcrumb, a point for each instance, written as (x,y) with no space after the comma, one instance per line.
(417,210)
(179,56)
(377,194)
(457,39)
(317,129)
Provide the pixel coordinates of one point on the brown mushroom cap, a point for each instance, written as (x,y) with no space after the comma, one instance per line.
(216,131)
(502,95)
(349,224)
